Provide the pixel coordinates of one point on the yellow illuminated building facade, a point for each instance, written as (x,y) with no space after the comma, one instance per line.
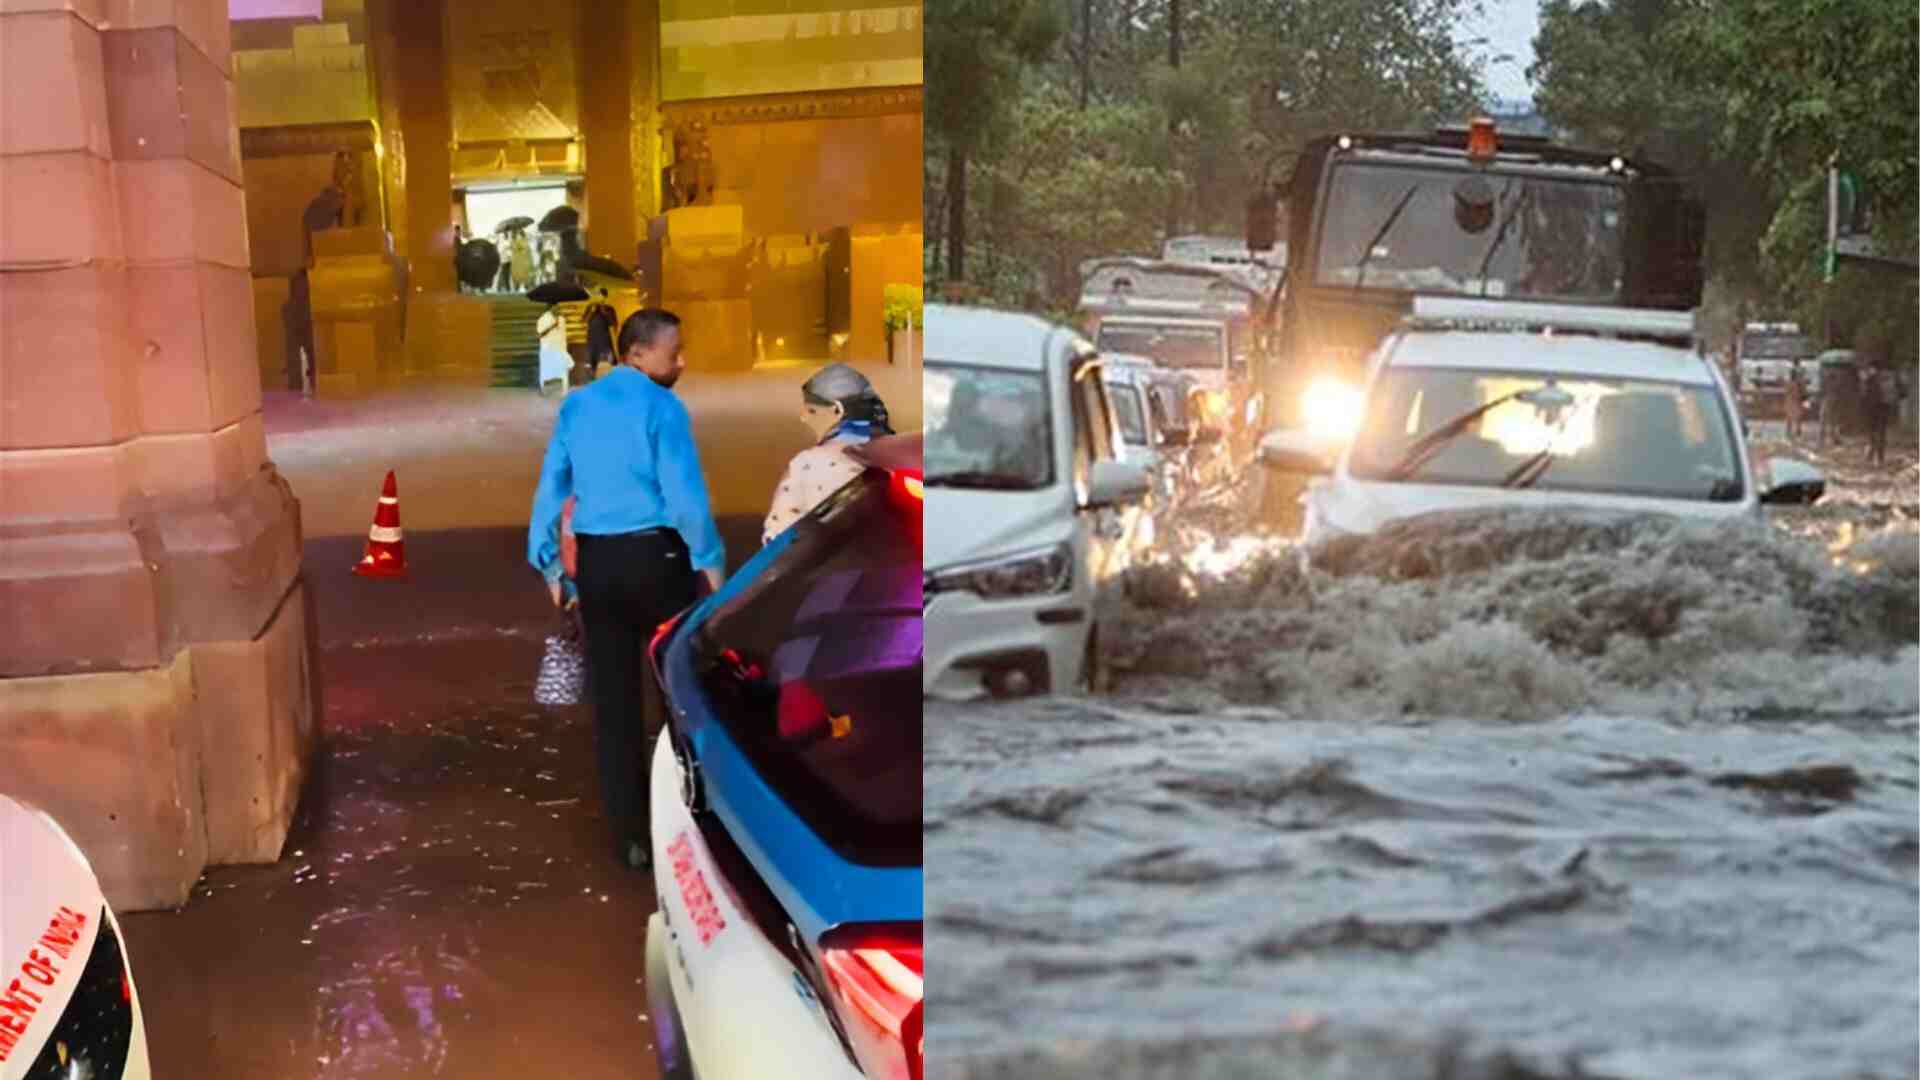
(756,163)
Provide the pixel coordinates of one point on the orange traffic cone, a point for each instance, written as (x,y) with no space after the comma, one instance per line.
(386,555)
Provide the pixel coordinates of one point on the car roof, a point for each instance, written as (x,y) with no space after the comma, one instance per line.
(894,453)
(989,338)
(1584,355)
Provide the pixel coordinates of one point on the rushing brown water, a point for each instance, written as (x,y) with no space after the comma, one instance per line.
(1486,796)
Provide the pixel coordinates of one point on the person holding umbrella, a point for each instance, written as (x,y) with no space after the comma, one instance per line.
(555,361)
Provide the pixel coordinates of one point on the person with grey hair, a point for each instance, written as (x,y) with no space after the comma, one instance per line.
(842,409)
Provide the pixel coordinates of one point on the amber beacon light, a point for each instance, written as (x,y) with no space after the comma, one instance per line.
(1481,144)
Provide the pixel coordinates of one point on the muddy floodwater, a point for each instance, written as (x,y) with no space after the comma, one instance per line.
(446,905)
(1491,796)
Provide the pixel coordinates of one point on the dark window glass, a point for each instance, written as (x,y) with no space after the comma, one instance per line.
(815,671)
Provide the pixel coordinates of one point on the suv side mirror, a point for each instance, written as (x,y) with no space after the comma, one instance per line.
(1115,484)
(1294,451)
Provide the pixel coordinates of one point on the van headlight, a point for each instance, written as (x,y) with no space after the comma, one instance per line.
(1331,409)
(1027,573)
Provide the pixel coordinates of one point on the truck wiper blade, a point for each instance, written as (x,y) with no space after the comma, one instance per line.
(1501,236)
(1427,446)
(1360,271)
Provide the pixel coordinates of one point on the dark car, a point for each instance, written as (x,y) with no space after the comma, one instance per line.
(786,800)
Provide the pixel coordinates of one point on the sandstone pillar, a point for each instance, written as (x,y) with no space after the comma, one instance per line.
(426,140)
(155,653)
(606,120)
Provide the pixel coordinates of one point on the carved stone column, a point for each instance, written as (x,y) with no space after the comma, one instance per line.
(156,691)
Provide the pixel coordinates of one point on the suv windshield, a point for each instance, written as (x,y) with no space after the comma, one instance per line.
(1618,436)
(986,428)
(1541,236)
(1127,412)
(1170,345)
(815,672)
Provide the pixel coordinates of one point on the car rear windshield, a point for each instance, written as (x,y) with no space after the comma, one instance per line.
(1173,345)
(815,671)
(1126,409)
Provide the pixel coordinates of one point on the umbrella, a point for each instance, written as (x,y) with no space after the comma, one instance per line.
(477,261)
(560,219)
(558,292)
(514,224)
(599,264)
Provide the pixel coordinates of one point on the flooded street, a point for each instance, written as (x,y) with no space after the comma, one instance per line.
(446,905)
(1495,796)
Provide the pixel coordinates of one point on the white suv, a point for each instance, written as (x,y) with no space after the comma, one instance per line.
(1033,513)
(1480,404)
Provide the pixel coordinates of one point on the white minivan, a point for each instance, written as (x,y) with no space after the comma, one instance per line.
(1030,513)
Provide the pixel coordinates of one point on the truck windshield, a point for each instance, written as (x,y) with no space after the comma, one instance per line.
(1544,237)
(1171,345)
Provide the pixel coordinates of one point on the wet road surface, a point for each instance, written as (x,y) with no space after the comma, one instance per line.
(447,904)
(1500,797)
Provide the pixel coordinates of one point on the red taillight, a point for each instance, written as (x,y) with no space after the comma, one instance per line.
(878,982)
(910,485)
(1481,144)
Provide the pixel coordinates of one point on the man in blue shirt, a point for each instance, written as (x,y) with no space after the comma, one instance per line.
(624,446)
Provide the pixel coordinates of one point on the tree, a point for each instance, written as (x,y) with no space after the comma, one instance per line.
(1162,146)
(976,50)
(1756,97)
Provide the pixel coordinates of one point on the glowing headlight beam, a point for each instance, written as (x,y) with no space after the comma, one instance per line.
(1332,410)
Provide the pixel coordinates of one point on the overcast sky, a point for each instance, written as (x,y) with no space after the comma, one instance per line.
(1509,26)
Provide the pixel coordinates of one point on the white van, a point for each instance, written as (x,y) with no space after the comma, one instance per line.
(1030,512)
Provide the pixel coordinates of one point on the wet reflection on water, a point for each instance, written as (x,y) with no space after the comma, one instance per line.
(444,907)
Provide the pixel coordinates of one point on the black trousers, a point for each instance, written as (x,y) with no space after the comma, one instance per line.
(629,584)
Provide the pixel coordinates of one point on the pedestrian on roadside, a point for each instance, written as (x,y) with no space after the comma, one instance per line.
(842,409)
(1877,396)
(601,319)
(646,539)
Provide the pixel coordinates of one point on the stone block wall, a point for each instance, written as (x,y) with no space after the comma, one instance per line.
(155,652)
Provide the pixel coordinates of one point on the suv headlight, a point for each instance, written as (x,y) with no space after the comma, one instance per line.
(1027,573)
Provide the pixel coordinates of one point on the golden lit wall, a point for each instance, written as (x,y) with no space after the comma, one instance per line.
(278,190)
(808,176)
(729,48)
(812,162)
(511,70)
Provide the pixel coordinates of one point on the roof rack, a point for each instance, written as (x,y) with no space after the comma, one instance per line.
(1456,313)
